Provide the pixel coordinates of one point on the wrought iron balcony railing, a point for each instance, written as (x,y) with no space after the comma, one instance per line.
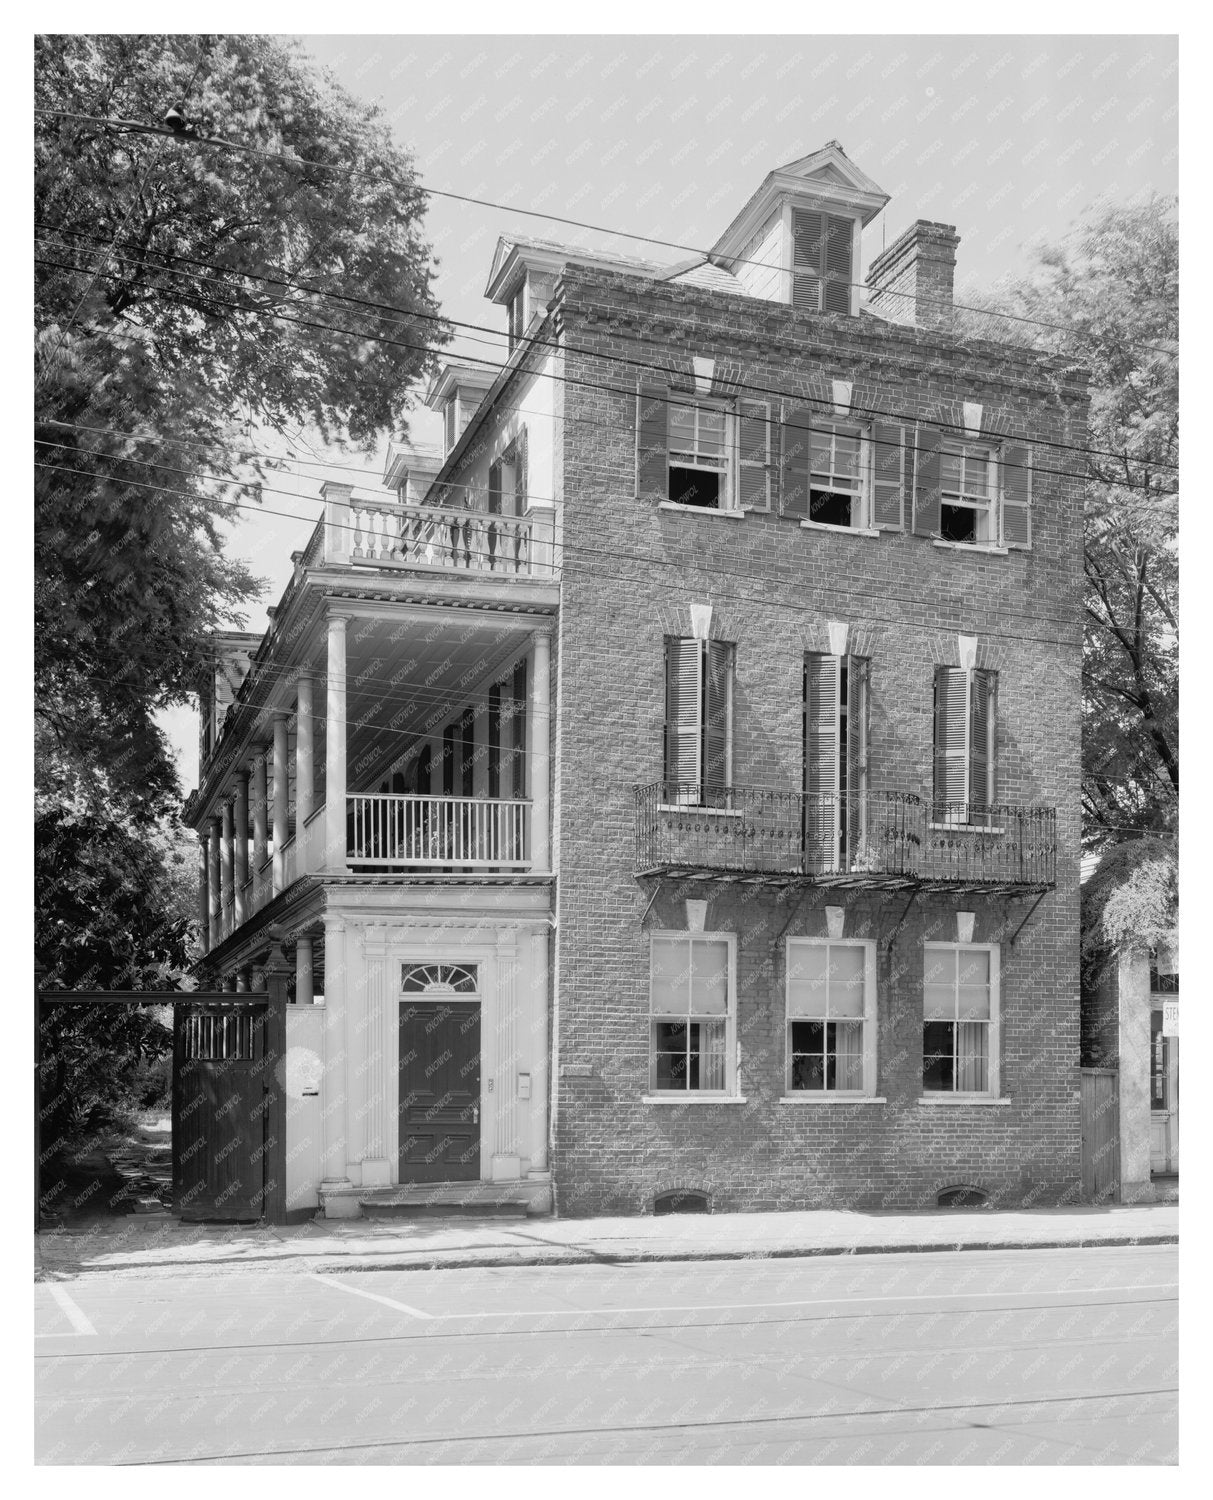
(859,837)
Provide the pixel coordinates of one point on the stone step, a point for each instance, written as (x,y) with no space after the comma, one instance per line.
(515,1199)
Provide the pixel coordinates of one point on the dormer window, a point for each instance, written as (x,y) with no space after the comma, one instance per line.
(821,261)
(517,315)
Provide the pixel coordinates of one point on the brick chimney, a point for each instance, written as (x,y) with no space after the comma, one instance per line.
(911,281)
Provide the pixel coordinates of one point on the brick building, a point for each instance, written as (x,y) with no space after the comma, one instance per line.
(736,860)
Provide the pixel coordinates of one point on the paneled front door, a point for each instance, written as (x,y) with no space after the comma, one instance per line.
(439,1091)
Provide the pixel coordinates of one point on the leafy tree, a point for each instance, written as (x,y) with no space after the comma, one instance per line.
(156,353)
(1111,292)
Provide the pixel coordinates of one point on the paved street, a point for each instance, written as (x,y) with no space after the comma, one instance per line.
(1011,1357)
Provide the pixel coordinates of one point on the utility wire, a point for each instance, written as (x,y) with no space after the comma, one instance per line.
(630,394)
(407,315)
(295,161)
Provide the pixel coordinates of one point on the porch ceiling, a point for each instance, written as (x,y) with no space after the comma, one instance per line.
(404,680)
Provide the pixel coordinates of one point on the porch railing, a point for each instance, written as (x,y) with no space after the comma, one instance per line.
(460,833)
(873,833)
(431,536)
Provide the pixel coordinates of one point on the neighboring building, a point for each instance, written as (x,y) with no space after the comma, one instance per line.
(638,854)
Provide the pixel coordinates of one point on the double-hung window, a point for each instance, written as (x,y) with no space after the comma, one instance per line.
(699,455)
(960,1042)
(836,458)
(965,747)
(698,722)
(691,1013)
(967,493)
(831,1003)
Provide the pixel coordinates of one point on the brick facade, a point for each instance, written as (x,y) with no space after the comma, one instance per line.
(630,574)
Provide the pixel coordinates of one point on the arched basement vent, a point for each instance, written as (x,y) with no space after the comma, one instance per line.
(681,1201)
(963,1195)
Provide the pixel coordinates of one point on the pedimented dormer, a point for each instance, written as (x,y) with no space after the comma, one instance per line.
(798,238)
(456,391)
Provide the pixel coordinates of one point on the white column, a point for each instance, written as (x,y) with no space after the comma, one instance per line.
(535,1050)
(539,770)
(305,795)
(213,885)
(240,846)
(260,799)
(204,903)
(333,1095)
(334,744)
(372,1068)
(225,868)
(281,793)
(503,1066)
(303,971)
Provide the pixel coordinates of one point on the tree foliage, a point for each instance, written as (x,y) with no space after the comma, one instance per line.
(156,350)
(1111,292)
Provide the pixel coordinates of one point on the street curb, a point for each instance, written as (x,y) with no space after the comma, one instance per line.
(456,1261)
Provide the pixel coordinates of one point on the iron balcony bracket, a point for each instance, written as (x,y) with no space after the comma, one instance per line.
(1027,917)
(905,912)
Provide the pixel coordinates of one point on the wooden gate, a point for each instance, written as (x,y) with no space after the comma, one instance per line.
(1100,1135)
(220,1122)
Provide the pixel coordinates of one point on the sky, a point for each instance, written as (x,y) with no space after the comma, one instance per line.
(1011,139)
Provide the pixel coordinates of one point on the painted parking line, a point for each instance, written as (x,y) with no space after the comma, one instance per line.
(80,1324)
(354,1291)
(718,1307)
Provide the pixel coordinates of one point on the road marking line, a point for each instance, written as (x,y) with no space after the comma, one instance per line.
(716,1307)
(80,1324)
(413,1312)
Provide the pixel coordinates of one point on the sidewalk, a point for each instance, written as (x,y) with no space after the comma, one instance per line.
(158,1245)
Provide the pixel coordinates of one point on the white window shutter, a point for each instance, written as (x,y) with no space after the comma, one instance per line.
(1016,472)
(684,697)
(888,470)
(823,677)
(951,738)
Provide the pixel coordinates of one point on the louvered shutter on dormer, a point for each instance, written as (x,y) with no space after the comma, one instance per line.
(520,473)
(794,462)
(950,741)
(495,488)
(837,296)
(754,455)
(1016,471)
(808,258)
(683,697)
(888,459)
(652,459)
(926,481)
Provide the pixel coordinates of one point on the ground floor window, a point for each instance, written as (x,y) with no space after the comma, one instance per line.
(960,1018)
(691,1012)
(831,1020)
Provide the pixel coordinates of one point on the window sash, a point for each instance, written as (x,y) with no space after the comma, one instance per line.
(824,443)
(708,434)
(960,1018)
(830,1003)
(691,1012)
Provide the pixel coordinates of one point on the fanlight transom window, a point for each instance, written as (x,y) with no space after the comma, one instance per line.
(441,979)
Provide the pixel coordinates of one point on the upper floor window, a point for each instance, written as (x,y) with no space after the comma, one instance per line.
(965,761)
(698,722)
(976,494)
(699,455)
(836,489)
(966,488)
(517,315)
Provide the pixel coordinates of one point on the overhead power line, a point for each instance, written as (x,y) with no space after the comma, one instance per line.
(766,392)
(218,275)
(220,143)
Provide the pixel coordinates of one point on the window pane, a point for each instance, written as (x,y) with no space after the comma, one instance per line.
(706,1060)
(973,1061)
(949,471)
(711,433)
(846,461)
(974,966)
(977,476)
(808,1068)
(808,966)
(682,428)
(973,1003)
(939,966)
(819,453)
(938,1001)
(709,978)
(846,980)
(847,1044)
(938,1044)
(670,1054)
(670,975)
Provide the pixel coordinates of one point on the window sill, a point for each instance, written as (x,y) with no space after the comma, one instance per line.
(701,510)
(987,547)
(843,530)
(930,1101)
(823,1098)
(694,807)
(964,828)
(691,1097)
